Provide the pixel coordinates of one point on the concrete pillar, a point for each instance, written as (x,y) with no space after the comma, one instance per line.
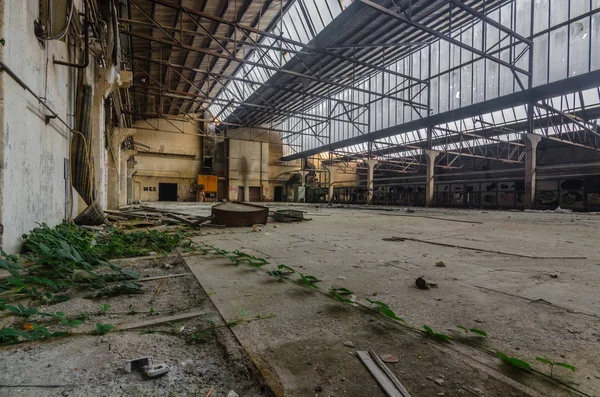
(125,154)
(370,168)
(531,141)
(331,171)
(430,156)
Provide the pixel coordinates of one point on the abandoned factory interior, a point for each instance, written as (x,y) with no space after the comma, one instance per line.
(248,198)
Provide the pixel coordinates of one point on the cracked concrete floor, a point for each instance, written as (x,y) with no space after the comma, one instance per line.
(525,310)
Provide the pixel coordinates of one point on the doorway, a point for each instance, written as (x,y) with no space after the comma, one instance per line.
(255,193)
(241,195)
(167,192)
(278,194)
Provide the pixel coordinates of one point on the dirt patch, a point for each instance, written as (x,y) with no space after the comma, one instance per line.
(201,351)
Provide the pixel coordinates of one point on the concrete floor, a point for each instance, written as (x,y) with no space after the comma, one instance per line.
(525,310)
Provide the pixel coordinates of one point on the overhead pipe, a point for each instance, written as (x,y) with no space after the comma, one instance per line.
(86,39)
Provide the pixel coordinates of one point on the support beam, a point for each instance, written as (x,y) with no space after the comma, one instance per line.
(430,156)
(531,141)
(370,169)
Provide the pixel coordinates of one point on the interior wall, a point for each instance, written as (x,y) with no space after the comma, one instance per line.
(34,188)
(168,151)
(254,162)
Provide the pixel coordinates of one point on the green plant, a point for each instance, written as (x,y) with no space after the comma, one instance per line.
(436,335)
(553,363)
(474,330)
(22,311)
(106,308)
(177,326)
(102,329)
(515,362)
(282,272)
(384,309)
(339,293)
(309,281)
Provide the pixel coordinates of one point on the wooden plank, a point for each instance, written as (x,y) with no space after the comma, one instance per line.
(180,219)
(384,381)
(389,373)
(161,277)
(159,320)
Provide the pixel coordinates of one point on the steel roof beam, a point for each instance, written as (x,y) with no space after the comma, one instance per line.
(441,36)
(286,40)
(290,72)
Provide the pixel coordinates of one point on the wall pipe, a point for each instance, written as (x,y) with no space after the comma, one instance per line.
(86,51)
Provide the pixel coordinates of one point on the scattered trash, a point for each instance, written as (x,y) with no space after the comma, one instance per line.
(138,364)
(341,278)
(289,216)
(553,275)
(156,370)
(256,228)
(440,264)
(421,283)
(388,358)
(349,343)
(439,381)
(145,364)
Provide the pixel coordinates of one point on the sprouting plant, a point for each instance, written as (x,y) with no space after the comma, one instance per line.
(152,310)
(553,363)
(515,362)
(282,272)
(474,330)
(132,312)
(309,281)
(436,335)
(23,311)
(69,323)
(177,326)
(384,309)
(339,293)
(251,260)
(106,308)
(102,329)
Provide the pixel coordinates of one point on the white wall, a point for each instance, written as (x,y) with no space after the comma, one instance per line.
(33,153)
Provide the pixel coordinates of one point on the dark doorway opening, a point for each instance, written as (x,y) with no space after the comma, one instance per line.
(278,194)
(241,195)
(167,192)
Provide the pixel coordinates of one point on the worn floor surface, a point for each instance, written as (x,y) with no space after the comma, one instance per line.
(87,365)
(538,305)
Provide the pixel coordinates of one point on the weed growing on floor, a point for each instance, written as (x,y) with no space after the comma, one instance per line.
(436,335)
(341,293)
(102,329)
(473,330)
(284,272)
(309,281)
(513,361)
(384,309)
(553,363)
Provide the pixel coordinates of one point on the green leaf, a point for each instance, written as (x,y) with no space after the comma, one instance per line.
(463,328)
(515,362)
(389,313)
(342,291)
(284,267)
(436,335)
(544,360)
(244,313)
(337,295)
(567,366)
(378,303)
(478,332)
